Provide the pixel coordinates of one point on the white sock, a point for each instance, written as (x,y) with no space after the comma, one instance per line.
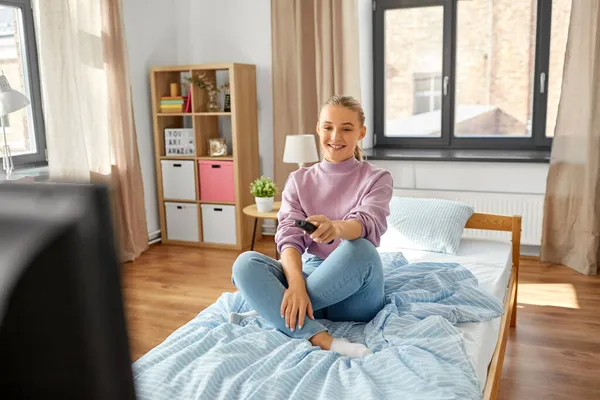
(236,318)
(346,348)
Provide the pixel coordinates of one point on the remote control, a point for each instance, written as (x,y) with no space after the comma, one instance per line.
(307,226)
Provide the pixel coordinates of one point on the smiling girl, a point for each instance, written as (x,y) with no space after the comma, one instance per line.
(348,199)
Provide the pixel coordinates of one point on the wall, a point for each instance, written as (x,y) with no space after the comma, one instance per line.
(167,32)
(150,29)
(239,31)
(170,32)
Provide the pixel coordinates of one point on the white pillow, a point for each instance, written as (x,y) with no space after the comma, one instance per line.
(427,224)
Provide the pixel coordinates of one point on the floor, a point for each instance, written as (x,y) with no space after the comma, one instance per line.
(554,353)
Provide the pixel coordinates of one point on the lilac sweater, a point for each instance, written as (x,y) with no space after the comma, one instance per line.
(351,189)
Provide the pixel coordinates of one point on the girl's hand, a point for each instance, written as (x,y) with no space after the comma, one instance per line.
(296,305)
(326,229)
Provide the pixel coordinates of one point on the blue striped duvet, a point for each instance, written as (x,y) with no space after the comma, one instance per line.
(418,353)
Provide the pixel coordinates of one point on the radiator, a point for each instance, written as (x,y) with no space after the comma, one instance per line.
(529,206)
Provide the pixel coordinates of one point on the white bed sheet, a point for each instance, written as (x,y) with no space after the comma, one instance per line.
(491,262)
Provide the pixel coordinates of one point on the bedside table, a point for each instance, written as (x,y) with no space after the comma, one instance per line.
(252,211)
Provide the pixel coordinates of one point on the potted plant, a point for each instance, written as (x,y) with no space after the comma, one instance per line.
(203,82)
(264,190)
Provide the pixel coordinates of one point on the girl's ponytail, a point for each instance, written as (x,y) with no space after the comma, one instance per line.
(358,153)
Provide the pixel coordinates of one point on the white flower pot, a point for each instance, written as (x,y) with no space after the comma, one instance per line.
(264,204)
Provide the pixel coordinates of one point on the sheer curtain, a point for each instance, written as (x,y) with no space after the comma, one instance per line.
(571,228)
(87,107)
(314,56)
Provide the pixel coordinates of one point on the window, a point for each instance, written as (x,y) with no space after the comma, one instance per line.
(468,73)
(428,92)
(18,61)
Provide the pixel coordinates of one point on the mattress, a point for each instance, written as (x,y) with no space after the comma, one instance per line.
(490,261)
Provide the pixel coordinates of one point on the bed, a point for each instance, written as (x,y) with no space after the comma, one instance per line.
(496,265)
(452,348)
(509,317)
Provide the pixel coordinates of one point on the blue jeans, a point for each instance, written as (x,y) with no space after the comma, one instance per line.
(346,286)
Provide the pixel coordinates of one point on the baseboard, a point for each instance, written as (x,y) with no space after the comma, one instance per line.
(154,237)
(268,228)
(530,251)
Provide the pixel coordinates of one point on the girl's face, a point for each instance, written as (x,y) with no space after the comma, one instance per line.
(339,131)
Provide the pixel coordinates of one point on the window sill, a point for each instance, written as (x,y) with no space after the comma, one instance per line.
(508,156)
(38,174)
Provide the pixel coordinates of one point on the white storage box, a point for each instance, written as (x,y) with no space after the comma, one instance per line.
(180,142)
(178,180)
(218,223)
(182,221)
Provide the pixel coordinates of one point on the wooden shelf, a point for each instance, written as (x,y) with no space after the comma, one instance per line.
(189,67)
(243,142)
(175,158)
(174,114)
(184,158)
(223,203)
(199,114)
(224,158)
(181,201)
(208,114)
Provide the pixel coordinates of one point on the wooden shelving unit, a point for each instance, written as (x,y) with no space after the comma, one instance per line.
(192,114)
(243,141)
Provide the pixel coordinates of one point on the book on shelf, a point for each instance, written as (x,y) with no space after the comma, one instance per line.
(188,103)
(176,104)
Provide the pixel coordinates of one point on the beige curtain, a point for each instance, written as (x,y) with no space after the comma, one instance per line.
(87,107)
(314,56)
(571,226)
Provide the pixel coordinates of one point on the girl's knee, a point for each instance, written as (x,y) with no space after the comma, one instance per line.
(363,248)
(243,265)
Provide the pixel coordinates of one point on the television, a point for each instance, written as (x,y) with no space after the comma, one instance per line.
(63,331)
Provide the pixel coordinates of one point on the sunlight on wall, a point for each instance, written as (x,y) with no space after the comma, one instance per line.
(548,294)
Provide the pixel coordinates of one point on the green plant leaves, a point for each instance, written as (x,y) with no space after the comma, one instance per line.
(263,187)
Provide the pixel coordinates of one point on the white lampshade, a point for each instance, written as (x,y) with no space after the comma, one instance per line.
(10,100)
(300,149)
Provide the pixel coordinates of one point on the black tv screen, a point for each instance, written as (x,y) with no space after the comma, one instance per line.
(63,332)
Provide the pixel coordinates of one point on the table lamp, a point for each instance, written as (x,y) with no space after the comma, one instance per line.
(10,101)
(300,149)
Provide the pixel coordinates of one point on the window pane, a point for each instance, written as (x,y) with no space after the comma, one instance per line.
(13,63)
(421,105)
(561,13)
(437,102)
(437,83)
(495,60)
(413,68)
(422,83)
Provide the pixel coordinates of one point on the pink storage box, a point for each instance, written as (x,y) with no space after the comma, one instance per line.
(216,181)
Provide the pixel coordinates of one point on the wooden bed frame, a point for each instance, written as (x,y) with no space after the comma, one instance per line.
(509,318)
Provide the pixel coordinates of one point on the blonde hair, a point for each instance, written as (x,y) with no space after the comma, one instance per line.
(350,103)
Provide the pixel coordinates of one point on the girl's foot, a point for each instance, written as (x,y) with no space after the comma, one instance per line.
(236,318)
(340,345)
(346,348)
